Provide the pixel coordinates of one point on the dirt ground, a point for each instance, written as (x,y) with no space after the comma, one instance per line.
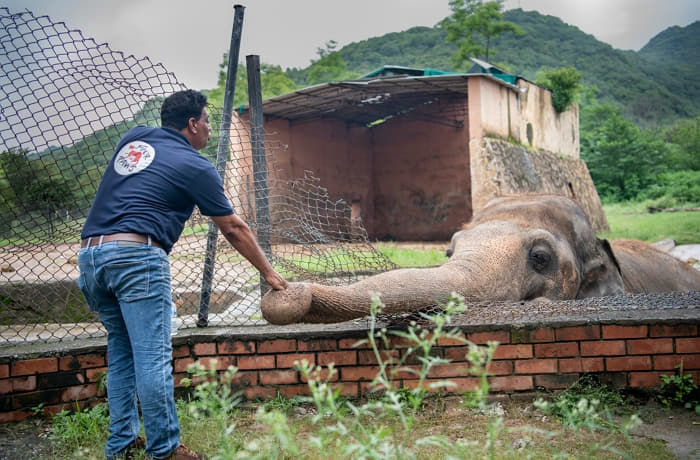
(678,428)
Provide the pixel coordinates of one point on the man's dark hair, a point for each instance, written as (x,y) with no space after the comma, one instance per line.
(180,107)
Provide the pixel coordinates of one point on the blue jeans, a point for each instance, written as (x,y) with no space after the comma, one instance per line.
(128,285)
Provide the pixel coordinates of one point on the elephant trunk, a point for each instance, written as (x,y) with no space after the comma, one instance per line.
(401,290)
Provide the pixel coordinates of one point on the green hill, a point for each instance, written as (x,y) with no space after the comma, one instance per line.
(654,86)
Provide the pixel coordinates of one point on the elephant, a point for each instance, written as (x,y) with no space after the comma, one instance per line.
(516,248)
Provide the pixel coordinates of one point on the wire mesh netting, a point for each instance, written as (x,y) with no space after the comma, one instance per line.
(65,102)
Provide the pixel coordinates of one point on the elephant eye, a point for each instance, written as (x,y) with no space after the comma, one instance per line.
(540,259)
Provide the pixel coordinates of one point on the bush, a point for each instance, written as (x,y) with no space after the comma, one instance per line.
(674,189)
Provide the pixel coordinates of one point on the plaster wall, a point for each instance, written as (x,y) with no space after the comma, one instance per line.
(523,113)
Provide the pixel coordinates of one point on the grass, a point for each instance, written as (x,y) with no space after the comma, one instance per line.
(405,257)
(633,221)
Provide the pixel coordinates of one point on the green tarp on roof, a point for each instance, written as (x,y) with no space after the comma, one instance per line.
(479,67)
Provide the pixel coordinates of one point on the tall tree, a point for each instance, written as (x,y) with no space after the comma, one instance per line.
(623,160)
(330,66)
(472,25)
(34,186)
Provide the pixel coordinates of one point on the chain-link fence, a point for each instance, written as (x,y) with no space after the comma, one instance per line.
(65,102)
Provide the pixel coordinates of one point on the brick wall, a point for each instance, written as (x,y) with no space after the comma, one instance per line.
(625,355)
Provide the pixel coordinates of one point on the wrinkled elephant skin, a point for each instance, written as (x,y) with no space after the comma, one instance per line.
(516,248)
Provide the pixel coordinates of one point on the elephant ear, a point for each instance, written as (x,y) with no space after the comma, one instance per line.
(601,273)
(605,244)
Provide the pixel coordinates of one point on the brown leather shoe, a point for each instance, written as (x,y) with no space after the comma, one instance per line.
(183,453)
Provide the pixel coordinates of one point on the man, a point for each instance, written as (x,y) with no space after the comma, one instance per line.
(147,193)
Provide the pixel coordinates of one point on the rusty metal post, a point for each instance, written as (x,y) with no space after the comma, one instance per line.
(257,139)
(222,156)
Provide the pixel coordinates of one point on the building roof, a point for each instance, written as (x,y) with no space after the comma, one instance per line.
(385,93)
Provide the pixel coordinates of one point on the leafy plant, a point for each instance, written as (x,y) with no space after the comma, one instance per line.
(212,396)
(680,390)
(565,83)
(72,430)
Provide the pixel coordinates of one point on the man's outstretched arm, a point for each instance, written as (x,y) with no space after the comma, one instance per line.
(237,232)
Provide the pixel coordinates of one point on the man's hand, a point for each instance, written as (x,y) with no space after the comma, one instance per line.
(275,281)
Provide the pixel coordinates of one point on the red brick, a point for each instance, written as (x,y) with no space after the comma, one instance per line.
(577,333)
(567,366)
(513,352)
(499,368)
(358,373)
(278,377)
(614,331)
(676,330)
(181,365)
(287,360)
(245,378)
(456,354)
(628,363)
(650,346)
(4,371)
(289,391)
(353,343)
(236,347)
(277,346)
(15,416)
(350,390)
(482,338)
(79,392)
(688,345)
(511,383)
(181,351)
(603,348)
(35,366)
(317,345)
(543,334)
(669,362)
(449,370)
(69,363)
(24,383)
(555,381)
(452,341)
(399,342)
(5,387)
(644,379)
(204,349)
(556,350)
(368,356)
(220,363)
(464,384)
(404,372)
(339,358)
(536,366)
(256,362)
(323,375)
(258,392)
(368,387)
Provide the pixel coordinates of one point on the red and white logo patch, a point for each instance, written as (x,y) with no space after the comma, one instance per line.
(134,157)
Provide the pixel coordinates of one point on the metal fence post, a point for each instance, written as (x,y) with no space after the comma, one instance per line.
(222,156)
(257,139)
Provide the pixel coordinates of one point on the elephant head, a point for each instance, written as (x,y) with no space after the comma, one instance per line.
(516,248)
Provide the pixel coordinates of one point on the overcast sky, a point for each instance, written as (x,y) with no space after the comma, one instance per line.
(190,37)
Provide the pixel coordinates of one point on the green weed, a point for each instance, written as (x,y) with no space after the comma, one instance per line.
(680,390)
(83,427)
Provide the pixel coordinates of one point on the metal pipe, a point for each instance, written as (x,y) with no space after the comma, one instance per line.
(222,156)
(257,139)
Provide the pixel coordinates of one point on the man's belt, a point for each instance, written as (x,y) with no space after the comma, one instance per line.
(126,237)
